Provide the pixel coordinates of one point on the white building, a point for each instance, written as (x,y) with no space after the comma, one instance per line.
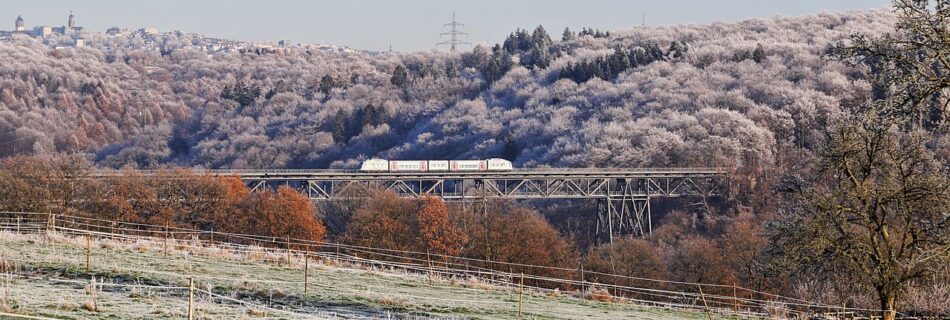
(20,25)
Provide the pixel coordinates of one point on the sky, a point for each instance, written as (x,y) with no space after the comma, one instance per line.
(406,25)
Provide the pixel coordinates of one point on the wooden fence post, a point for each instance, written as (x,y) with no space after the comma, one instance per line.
(191,299)
(49,222)
(306,271)
(429,260)
(165,244)
(88,251)
(288,250)
(583,281)
(735,298)
(703,297)
(520,293)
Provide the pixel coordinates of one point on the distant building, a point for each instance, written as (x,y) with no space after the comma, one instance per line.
(149,31)
(79,42)
(284,44)
(70,27)
(20,25)
(42,31)
(116,31)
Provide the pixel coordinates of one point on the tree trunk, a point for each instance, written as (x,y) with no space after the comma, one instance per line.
(887,305)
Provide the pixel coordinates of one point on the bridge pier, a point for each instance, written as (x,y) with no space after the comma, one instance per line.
(623,215)
(623,194)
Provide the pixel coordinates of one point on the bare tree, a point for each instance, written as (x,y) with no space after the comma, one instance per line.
(910,67)
(878,211)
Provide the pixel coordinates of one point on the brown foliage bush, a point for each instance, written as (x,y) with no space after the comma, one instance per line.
(511,234)
(698,260)
(629,257)
(281,213)
(390,222)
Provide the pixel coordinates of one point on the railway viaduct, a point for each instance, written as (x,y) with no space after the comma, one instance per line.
(624,194)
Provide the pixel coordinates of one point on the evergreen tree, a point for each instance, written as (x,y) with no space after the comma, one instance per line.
(451,69)
(369,115)
(326,84)
(758,55)
(619,62)
(540,57)
(510,151)
(492,71)
(677,49)
(400,77)
(541,38)
(340,127)
(568,35)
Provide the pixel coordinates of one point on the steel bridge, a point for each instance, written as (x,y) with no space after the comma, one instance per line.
(624,194)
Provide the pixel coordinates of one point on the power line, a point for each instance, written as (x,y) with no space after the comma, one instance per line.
(454,33)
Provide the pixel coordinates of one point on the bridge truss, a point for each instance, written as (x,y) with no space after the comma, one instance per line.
(623,194)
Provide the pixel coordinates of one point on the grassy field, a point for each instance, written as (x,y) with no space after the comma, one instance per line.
(136,280)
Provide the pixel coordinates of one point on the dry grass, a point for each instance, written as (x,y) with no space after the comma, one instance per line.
(256,313)
(65,305)
(92,290)
(363,286)
(777,310)
(602,295)
(90,306)
(390,301)
(278,293)
(6,299)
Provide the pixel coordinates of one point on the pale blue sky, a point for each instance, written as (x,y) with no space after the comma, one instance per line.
(405,24)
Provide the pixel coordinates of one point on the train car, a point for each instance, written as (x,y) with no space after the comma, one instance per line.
(468,165)
(495,164)
(438,165)
(408,166)
(375,165)
(382,165)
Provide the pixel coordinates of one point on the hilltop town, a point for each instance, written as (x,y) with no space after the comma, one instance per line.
(144,38)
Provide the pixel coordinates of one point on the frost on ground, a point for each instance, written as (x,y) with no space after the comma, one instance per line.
(135,280)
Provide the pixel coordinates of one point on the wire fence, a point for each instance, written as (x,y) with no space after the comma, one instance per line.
(723,300)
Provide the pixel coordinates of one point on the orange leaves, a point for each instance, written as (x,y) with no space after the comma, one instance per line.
(280,213)
(387,221)
(435,231)
(384,221)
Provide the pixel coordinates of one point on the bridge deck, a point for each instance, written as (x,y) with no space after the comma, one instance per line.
(329,174)
(623,193)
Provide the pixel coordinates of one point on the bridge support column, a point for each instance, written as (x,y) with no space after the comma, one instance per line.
(623,215)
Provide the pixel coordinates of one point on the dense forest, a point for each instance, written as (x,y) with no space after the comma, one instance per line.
(834,128)
(722,94)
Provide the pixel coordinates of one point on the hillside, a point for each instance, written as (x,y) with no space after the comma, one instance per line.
(147,278)
(719,94)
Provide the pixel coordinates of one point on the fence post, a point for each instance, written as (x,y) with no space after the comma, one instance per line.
(735,298)
(703,297)
(165,243)
(306,271)
(49,222)
(520,294)
(583,281)
(429,262)
(288,250)
(88,249)
(18,225)
(191,298)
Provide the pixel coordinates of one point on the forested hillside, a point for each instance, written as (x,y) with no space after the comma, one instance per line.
(721,94)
